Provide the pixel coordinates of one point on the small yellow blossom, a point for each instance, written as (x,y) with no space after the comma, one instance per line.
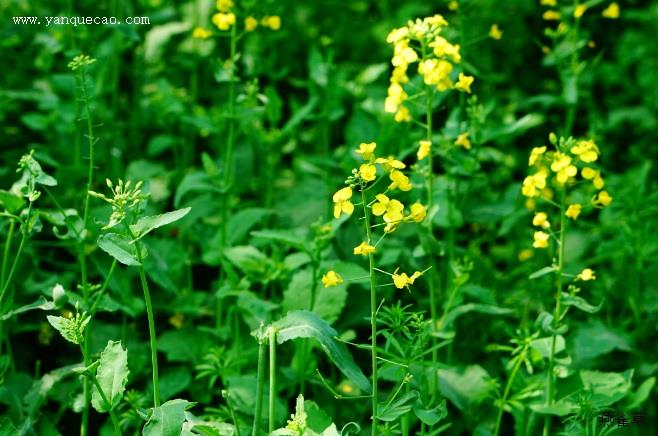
(551,15)
(364,249)
(541,239)
(573,211)
(525,254)
(532,185)
(541,220)
(403,280)
(603,199)
(495,32)
(464,83)
(250,24)
(587,151)
(612,11)
(331,278)
(418,212)
(273,22)
(579,10)
(223,21)
(399,180)
(562,166)
(453,5)
(201,33)
(535,154)
(424,149)
(391,209)
(402,115)
(342,202)
(463,140)
(390,163)
(366,150)
(368,172)
(588,173)
(177,320)
(551,3)
(224,5)
(586,275)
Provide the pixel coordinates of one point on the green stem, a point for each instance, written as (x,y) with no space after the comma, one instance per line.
(508,386)
(373,315)
(550,382)
(24,231)
(5,256)
(272,340)
(106,283)
(260,382)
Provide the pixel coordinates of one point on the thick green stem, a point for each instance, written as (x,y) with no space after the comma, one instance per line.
(272,340)
(260,382)
(24,230)
(373,314)
(508,386)
(5,256)
(550,376)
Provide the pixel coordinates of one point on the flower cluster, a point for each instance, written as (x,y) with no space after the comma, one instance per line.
(124,198)
(225,18)
(421,42)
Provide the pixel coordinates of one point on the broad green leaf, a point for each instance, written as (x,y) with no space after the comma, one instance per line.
(399,407)
(606,387)
(433,415)
(147,224)
(465,387)
(543,345)
(595,339)
(112,376)
(10,201)
(194,182)
(119,247)
(241,222)
(637,398)
(184,345)
(249,259)
(41,304)
(168,419)
(305,324)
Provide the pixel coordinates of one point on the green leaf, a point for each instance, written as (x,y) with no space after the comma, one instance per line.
(474,307)
(168,419)
(580,303)
(606,387)
(11,202)
(287,237)
(305,324)
(329,302)
(119,247)
(249,259)
(41,304)
(68,328)
(561,408)
(595,339)
(147,224)
(466,387)
(112,376)
(637,398)
(184,345)
(543,345)
(542,272)
(399,407)
(433,415)
(240,223)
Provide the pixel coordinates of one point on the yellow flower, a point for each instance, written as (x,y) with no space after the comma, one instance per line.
(464,83)
(525,254)
(364,249)
(535,154)
(541,240)
(201,33)
(223,21)
(463,140)
(532,185)
(586,275)
(587,151)
(250,24)
(368,172)
(551,3)
(603,199)
(403,115)
(342,202)
(453,5)
(495,32)
(399,180)
(273,22)
(390,163)
(224,5)
(562,166)
(588,173)
(418,212)
(573,211)
(403,280)
(391,209)
(366,150)
(551,15)
(612,11)
(541,220)
(579,10)
(397,35)
(331,278)
(424,149)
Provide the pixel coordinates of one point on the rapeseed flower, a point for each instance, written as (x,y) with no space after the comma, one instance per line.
(223,21)
(535,154)
(390,163)
(399,181)
(551,16)
(391,209)
(403,280)
(273,22)
(495,32)
(586,275)
(368,172)
(201,33)
(342,202)
(418,212)
(250,24)
(464,83)
(331,278)
(573,211)
(224,5)
(364,249)
(463,141)
(424,149)
(602,199)
(541,239)
(612,11)
(587,151)
(541,220)
(579,10)
(366,150)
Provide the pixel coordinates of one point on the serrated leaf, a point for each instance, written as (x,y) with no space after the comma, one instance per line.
(112,376)
(305,324)
(147,224)
(168,419)
(119,247)
(67,328)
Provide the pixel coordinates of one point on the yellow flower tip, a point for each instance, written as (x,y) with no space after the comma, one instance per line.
(462,140)
(201,33)
(591,44)
(573,211)
(391,209)
(418,212)
(366,150)
(551,3)
(525,254)
(541,220)
(612,11)
(453,5)
(368,172)
(602,199)
(464,83)
(586,275)
(400,181)
(530,204)
(390,163)
(223,21)
(273,22)
(224,5)
(551,16)
(540,239)
(535,154)
(495,32)
(250,24)
(364,249)
(402,115)
(342,203)
(424,149)
(331,278)
(579,10)
(403,280)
